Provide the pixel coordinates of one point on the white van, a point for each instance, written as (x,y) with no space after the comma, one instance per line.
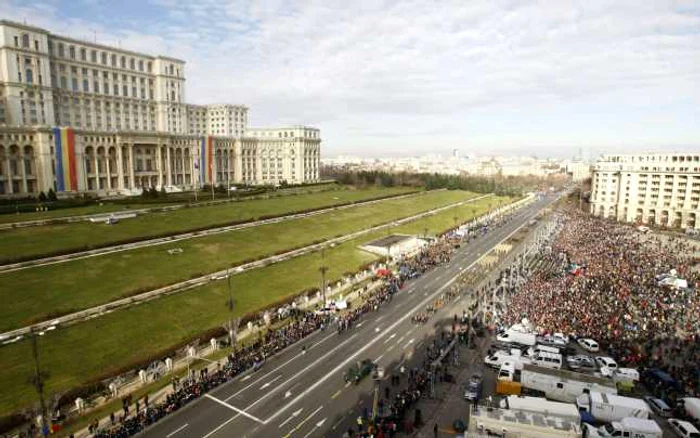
(532,351)
(625,375)
(549,360)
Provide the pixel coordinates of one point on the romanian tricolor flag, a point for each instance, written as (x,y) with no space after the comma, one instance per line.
(205,161)
(66,174)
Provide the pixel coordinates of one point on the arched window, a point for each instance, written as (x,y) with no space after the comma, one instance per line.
(25,40)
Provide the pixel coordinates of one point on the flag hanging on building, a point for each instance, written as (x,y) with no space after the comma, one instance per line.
(64,149)
(205,160)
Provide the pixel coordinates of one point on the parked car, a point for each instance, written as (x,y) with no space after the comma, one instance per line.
(554,339)
(472,390)
(606,364)
(683,429)
(658,406)
(581,362)
(589,344)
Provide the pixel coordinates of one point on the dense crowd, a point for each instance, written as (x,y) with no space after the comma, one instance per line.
(603,283)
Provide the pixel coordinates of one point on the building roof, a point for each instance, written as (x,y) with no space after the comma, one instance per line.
(388,241)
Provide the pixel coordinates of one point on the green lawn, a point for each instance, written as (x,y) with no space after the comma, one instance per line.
(32,242)
(107,206)
(38,294)
(96,348)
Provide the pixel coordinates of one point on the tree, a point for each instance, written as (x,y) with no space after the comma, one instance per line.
(51,195)
(42,197)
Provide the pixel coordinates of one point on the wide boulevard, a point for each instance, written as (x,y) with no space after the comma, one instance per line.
(302,393)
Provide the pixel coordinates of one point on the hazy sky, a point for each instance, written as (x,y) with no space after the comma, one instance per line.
(409,77)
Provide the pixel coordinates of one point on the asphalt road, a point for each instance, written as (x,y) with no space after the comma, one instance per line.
(303,394)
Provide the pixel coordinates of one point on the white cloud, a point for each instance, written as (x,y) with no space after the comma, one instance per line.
(422,67)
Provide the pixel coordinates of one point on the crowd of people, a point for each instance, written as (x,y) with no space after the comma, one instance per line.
(603,281)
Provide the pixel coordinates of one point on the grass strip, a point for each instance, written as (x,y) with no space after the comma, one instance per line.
(36,242)
(119,341)
(43,293)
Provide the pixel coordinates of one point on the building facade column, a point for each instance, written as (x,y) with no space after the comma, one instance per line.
(132,180)
(97,170)
(159,164)
(23,172)
(168,168)
(120,168)
(109,174)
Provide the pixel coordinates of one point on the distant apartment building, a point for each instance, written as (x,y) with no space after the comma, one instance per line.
(80,117)
(659,189)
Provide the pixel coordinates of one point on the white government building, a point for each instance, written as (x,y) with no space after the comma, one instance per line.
(660,189)
(80,117)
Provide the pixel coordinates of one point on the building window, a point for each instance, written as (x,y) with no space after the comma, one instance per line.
(61,50)
(140,65)
(74,84)
(29,76)
(114,60)
(103,57)
(25,40)
(86,88)
(71,52)
(131,64)
(122,62)
(93,55)
(83,54)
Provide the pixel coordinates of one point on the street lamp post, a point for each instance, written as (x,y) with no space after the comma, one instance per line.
(38,380)
(323,269)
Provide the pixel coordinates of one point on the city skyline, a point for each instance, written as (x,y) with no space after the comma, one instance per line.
(385,79)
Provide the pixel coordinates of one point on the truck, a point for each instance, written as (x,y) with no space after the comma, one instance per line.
(691,407)
(627,427)
(606,408)
(539,405)
(484,421)
(517,338)
(557,385)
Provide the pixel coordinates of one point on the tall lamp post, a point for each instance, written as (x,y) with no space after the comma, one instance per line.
(38,380)
(232,325)
(323,269)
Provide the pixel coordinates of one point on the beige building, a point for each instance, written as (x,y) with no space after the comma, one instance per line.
(121,124)
(661,189)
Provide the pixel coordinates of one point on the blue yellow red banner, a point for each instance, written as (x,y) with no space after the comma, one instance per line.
(66,174)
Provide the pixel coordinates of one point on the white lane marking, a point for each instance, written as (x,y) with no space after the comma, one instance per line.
(408,343)
(360,324)
(390,348)
(271,382)
(316,426)
(298,426)
(399,365)
(263,377)
(287,394)
(377,329)
(233,408)
(291,417)
(401,339)
(380,318)
(176,430)
(377,359)
(306,368)
(393,335)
